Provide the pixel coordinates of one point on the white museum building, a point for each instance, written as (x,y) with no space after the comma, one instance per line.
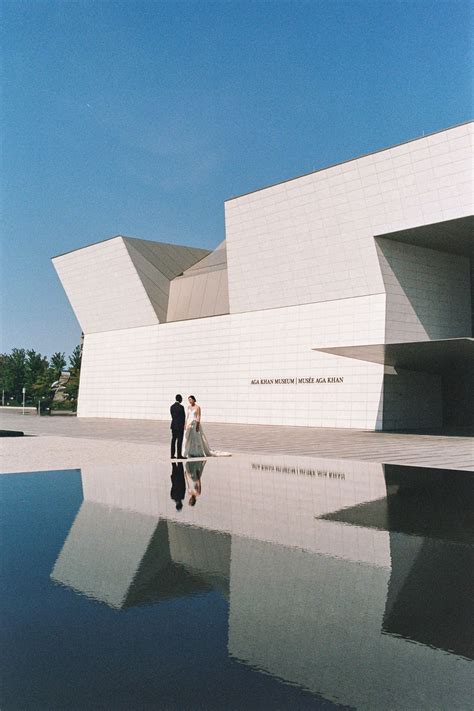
(341,298)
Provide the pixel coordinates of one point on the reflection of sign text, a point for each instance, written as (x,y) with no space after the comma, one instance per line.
(304,471)
(297,381)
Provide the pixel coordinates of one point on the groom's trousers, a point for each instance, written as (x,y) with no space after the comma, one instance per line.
(177,441)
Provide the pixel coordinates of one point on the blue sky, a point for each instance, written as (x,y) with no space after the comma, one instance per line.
(141,118)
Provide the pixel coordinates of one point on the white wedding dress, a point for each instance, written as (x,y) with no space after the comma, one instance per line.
(195,442)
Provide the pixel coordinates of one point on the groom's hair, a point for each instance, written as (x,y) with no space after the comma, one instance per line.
(179,398)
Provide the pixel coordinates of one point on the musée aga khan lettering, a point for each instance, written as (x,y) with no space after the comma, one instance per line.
(349,291)
(295,381)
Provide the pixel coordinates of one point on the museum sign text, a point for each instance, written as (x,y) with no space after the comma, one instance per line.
(296,381)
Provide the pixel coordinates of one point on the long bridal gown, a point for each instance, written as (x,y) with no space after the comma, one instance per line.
(195,442)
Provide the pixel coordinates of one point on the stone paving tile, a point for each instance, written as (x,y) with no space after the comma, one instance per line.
(425,450)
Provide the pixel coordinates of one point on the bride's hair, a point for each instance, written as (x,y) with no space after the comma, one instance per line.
(192,398)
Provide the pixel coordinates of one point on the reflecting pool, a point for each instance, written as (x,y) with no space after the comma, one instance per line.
(238,583)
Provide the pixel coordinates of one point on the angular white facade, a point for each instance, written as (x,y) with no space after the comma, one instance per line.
(373,251)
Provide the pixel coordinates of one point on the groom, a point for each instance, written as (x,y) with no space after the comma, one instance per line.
(178,418)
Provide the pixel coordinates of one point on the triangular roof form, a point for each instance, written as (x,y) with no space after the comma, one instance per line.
(157,264)
(215,260)
(122,282)
(202,290)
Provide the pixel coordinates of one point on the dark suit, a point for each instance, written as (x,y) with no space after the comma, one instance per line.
(178,418)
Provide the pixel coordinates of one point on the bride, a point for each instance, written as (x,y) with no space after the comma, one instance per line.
(195,442)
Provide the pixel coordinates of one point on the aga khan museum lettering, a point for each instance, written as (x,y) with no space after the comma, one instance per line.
(296,381)
(356,279)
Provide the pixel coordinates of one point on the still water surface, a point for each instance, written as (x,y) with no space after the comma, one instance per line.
(287,583)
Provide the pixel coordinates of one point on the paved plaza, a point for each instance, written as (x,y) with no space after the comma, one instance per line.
(64,441)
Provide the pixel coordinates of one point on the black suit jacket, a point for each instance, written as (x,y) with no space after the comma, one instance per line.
(178,417)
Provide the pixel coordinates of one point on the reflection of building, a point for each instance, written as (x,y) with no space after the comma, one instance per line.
(313,600)
(431,535)
(339,299)
(125,559)
(321,622)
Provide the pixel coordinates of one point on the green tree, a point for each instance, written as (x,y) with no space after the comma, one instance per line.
(75,358)
(31,370)
(58,363)
(6,376)
(41,388)
(72,388)
(36,365)
(16,373)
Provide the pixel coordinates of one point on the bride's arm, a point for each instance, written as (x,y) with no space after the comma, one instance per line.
(198,417)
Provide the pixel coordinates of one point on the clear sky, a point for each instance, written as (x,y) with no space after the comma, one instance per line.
(141,118)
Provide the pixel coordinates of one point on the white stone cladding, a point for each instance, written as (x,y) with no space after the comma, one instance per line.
(428,292)
(135,373)
(103,287)
(311,239)
(117,283)
(327,260)
(202,290)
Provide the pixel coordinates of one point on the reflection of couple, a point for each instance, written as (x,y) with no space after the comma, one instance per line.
(195,443)
(192,480)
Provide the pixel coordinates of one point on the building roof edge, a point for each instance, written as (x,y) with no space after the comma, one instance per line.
(349,160)
(108,239)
